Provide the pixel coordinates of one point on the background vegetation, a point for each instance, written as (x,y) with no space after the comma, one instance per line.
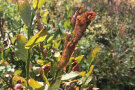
(108,45)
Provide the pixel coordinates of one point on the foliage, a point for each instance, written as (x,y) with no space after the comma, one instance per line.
(32,39)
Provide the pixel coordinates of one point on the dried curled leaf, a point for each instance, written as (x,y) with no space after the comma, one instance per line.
(81,24)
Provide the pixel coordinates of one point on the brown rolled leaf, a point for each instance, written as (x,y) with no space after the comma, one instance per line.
(81,24)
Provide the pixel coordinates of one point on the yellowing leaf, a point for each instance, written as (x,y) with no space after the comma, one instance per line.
(17,72)
(38,3)
(39,37)
(79,58)
(45,17)
(17,78)
(82,74)
(45,78)
(35,84)
(95,51)
(25,11)
(90,71)
(43,62)
(70,60)
(21,52)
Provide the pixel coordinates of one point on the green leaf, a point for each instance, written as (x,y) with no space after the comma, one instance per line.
(39,37)
(93,54)
(45,17)
(70,75)
(90,71)
(13,40)
(70,63)
(43,62)
(17,78)
(57,43)
(25,12)
(6,54)
(67,24)
(38,3)
(17,72)
(88,80)
(82,74)
(56,85)
(53,69)
(35,84)
(45,78)
(79,58)
(49,40)
(21,52)
(36,69)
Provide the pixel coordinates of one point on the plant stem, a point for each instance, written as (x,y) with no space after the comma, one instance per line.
(28,57)
(28,60)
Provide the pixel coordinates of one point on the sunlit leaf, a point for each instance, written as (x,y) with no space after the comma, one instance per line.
(13,40)
(90,71)
(45,17)
(49,40)
(70,75)
(17,72)
(35,84)
(70,60)
(25,11)
(38,3)
(57,43)
(43,62)
(39,37)
(82,74)
(21,52)
(17,78)
(88,80)
(57,54)
(36,69)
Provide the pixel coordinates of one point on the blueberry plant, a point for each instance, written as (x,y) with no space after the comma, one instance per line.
(67,44)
